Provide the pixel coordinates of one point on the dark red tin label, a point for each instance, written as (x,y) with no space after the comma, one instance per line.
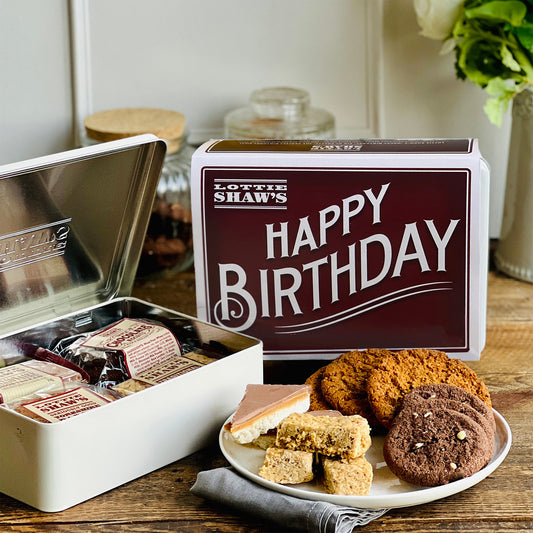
(318,261)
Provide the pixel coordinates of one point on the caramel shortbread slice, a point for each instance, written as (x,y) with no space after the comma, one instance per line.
(263,407)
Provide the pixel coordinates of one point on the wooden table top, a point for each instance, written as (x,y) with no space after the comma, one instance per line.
(161,501)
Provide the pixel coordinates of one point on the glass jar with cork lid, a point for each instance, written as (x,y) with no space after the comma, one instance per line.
(168,243)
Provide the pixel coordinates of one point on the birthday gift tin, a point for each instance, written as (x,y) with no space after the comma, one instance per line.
(321,247)
(72,226)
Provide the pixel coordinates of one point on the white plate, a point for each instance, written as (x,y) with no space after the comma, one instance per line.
(387,490)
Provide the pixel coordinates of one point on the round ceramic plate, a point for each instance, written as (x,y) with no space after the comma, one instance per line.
(387,490)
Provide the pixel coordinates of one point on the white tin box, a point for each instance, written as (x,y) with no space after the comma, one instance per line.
(72,227)
(322,247)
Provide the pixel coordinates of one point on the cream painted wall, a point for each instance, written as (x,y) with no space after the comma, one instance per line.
(35,88)
(205,57)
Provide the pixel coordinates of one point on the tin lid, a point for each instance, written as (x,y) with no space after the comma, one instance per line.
(72,227)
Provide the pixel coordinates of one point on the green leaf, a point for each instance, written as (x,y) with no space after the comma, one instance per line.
(494,110)
(494,49)
(501,93)
(480,60)
(508,59)
(524,35)
(511,11)
(500,88)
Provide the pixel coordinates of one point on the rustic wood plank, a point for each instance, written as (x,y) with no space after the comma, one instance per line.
(161,501)
(508,300)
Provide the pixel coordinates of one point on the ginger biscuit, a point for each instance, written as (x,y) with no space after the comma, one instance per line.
(400,372)
(317,401)
(344,382)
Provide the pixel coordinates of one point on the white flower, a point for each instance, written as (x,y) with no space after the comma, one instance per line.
(436,18)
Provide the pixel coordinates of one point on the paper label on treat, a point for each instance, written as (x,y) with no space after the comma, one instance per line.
(143,344)
(168,370)
(66,405)
(18,381)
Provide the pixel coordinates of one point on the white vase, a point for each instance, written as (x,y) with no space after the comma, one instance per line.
(514,253)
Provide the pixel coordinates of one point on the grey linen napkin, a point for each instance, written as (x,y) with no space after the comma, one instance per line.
(227,487)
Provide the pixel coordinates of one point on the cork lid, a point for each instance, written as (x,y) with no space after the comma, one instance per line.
(116,124)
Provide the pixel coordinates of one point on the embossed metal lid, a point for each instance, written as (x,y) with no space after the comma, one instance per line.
(72,226)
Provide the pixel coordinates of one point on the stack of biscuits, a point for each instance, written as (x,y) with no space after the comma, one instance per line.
(434,411)
(328,446)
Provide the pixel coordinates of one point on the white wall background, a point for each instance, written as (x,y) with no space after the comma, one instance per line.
(361,59)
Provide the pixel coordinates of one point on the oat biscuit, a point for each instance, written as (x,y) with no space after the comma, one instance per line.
(317,401)
(325,412)
(344,382)
(430,447)
(287,466)
(347,476)
(268,439)
(400,372)
(347,436)
(264,441)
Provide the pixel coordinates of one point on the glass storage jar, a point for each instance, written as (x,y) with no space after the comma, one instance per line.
(168,245)
(279,113)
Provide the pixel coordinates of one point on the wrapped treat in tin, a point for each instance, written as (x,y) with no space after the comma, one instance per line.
(122,350)
(56,406)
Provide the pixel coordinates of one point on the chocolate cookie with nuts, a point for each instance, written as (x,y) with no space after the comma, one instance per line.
(465,399)
(431,444)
